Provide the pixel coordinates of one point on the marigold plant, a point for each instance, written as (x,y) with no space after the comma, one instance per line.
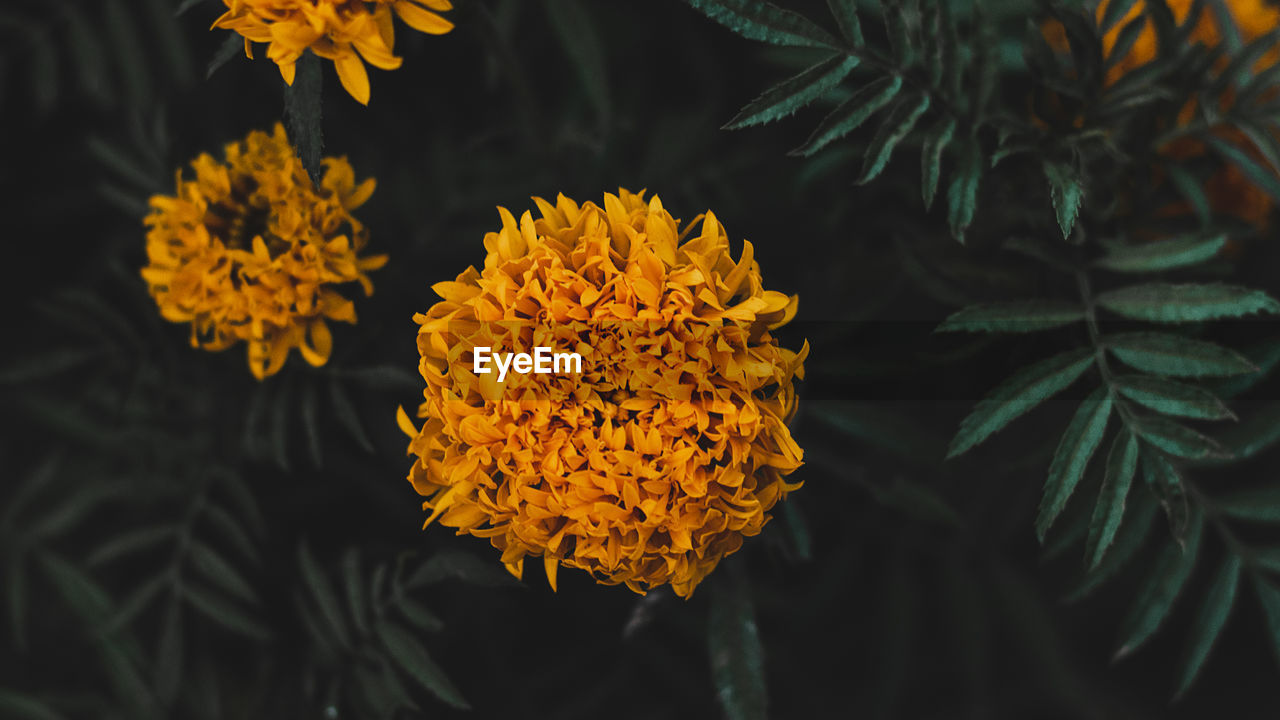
(672,444)
(250,249)
(344,31)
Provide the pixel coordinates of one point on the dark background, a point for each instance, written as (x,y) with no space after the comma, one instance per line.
(895,584)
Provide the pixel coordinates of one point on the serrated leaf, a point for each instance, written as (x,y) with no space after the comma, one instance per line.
(962,194)
(321,591)
(224,613)
(1254,505)
(1208,625)
(1160,590)
(896,127)
(757,20)
(1122,465)
(936,141)
(1178,440)
(737,656)
(215,568)
(1172,398)
(1162,255)
(232,45)
(1072,457)
(1026,389)
(1173,303)
(1263,177)
(1013,317)
(412,657)
(1165,483)
(851,113)
(846,15)
(1176,356)
(794,93)
(451,564)
(302,113)
(1066,192)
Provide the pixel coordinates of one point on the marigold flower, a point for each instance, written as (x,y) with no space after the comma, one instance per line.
(666,451)
(251,250)
(343,31)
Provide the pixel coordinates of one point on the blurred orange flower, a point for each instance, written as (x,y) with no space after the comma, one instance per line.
(251,250)
(344,31)
(672,444)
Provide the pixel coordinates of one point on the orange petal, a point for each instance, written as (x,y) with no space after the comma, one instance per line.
(354,77)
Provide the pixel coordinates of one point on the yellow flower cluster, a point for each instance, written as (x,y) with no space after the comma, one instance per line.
(670,446)
(343,31)
(251,250)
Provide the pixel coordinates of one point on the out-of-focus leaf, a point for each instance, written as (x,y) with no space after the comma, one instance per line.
(737,656)
(846,15)
(169,653)
(411,657)
(1269,598)
(1162,255)
(321,591)
(215,568)
(128,543)
(1254,505)
(1169,303)
(231,46)
(311,423)
(450,564)
(1160,590)
(1208,625)
(1263,177)
(225,613)
(1176,356)
(1013,317)
(353,587)
(962,194)
(22,707)
(418,614)
(1020,393)
(1129,540)
(1072,457)
(571,20)
(348,416)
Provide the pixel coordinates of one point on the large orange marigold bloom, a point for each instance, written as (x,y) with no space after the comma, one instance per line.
(667,450)
(250,249)
(343,31)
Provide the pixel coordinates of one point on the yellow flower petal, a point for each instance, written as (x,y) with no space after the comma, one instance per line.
(354,77)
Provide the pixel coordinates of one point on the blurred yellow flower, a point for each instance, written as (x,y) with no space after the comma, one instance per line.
(343,31)
(670,446)
(251,250)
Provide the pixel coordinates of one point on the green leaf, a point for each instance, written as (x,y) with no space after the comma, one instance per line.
(1172,398)
(169,653)
(1015,317)
(451,564)
(348,416)
(580,38)
(133,604)
(1122,465)
(185,6)
(1162,255)
(412,657)
(322,592)
(353,586)
(1254,505)
(385,377)
(1259,431)
(1264,177)
(23,707)
(962,194)
(757,20)
(936,141)
(232,531)
(737,656)
(794,93)
(1072,457)
(1175,355)
(895,23)
(846,15)
(418,614)
(1129,540)
(1156,598)
(879,425)
(1026,389)
(232,45)
(302,113)
(1192,190)
(1178,440)
(1165,483)
(129,543)
(221,573)
(1116,9)
(897,126)
(1208,625)
(851,113)
(311,423)
(1067,193)
(1170,303)
(1269,598)
(226,614)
